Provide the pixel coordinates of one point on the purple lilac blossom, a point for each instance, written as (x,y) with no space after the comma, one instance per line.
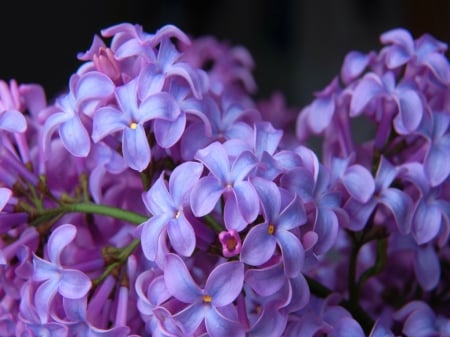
(215,218)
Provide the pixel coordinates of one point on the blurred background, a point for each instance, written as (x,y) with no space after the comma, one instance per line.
(297,46)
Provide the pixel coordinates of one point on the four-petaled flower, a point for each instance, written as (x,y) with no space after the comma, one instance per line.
(214,303)
(69,283)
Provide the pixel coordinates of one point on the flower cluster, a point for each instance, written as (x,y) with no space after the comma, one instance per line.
(156,197)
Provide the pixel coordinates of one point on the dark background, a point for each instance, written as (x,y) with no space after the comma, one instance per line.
(297,46)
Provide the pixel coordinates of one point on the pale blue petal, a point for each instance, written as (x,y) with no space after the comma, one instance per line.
(359,183)
(181,235)
(215,158)
(426,222)
(183,179)
(225,283)
(410,111)
(158,106)
(292,252)
(427,267)
(367,89)
(258,246)
(136,149)
(320,114)
(94,85)
(437,164)
(220,326)
(75,137)
(205,195)
(269,195)
(12,121)
(150,235)
(74,284)
(108,120)
(58,240)
(168,133)
(266,281)
(179,282)
(247,200)
(400,205)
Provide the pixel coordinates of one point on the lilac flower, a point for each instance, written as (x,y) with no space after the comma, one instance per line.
(231,243)
(167,65)
(431,208)
(425,51)
(69,283)
(131,40)
(130,118)
(419,320)
(241,200)
(168,205)
(409,107)
(437,159)
(29,322)
(228,120)
(354,65)
(261,241)
(212,304)
(397,201)
(356,179)
(92,88)
(325,214)
(11,117)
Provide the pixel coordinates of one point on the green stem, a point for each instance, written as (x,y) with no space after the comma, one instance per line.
(91,208)
(122,257)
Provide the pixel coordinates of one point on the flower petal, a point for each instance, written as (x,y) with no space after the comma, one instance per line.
(247,200)
(320,113)
(258,246)
(400,205)
(74,284)
(75,137)
(108,120)
(151,231)
(182,180)
(266,281)
(367,89)
(58,240)
(220,326)
(292,252)
(179,281)
(225,283)
(167,133)
(205,195)
(181,235)
(12,121)
(359,183)
(427,267)
(426,222)
(410,111)
(136,149)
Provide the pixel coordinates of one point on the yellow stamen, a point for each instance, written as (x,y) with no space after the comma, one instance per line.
(271,229)
(207,299)
(177,214)
(133,125)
